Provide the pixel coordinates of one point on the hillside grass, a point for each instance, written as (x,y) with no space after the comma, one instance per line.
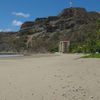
(7,53)
(92,56)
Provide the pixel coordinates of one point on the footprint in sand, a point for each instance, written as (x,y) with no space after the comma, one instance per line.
(10,83)
(32,94)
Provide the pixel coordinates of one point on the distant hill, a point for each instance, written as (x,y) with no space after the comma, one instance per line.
(43,35)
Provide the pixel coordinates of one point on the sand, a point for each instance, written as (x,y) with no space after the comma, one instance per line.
(62,77)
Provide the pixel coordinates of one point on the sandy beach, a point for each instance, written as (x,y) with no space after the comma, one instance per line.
(61,77)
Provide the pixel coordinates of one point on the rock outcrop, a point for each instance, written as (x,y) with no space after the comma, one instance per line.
(68,18)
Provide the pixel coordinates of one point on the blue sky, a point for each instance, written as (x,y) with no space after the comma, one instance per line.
(14,12)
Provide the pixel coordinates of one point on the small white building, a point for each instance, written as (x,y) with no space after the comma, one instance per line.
(64,46)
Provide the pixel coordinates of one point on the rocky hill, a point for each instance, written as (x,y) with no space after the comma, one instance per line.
(42,35)
(6,41)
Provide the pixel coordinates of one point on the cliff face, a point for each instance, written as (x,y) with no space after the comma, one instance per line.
(44,34)
(67,19)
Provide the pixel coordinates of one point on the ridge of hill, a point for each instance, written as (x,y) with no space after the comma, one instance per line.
(43,35)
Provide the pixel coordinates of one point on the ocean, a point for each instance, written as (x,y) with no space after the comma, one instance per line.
(9,56)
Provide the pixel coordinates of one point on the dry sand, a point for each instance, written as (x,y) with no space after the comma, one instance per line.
(63,77)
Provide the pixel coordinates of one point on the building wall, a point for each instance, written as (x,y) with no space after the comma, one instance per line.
(64,46)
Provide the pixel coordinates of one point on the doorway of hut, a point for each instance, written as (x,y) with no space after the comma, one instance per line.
(64,46)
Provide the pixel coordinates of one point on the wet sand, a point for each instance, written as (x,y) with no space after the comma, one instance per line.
(63,77)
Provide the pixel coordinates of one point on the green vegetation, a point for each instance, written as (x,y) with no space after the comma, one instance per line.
(90,44)
(7,53)
(92,56)
(19,44)
(52,50)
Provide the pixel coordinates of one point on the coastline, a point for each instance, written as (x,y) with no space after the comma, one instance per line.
(25,56)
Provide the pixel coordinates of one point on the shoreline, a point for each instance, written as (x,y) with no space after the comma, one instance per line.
(25,56)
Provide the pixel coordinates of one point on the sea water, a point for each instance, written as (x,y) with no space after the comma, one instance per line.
(8,56)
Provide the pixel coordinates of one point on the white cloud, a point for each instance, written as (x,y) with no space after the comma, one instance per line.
(21,14)
(17,23)
(5,30)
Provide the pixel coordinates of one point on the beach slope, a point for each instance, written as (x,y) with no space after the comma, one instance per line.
(61,77)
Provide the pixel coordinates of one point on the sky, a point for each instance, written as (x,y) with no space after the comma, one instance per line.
(14,12)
